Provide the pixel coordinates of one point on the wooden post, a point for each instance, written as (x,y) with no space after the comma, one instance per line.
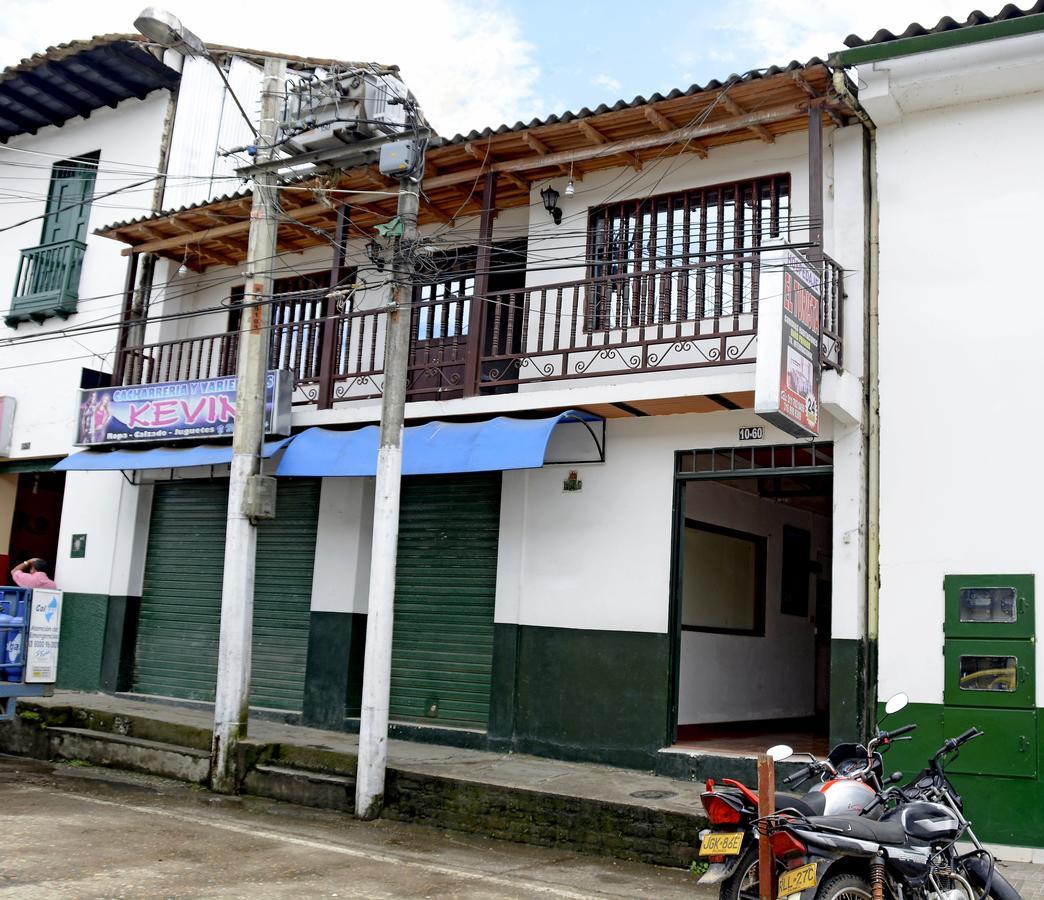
(815,181)
(328,332)
(477,315)
(766,807)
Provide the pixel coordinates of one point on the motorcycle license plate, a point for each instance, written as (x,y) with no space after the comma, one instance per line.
(722,843)
(796,880)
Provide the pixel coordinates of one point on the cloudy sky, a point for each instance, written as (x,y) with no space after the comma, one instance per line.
(474,63)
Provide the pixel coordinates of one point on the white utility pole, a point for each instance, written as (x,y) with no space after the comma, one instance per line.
(373,723)
(245,488)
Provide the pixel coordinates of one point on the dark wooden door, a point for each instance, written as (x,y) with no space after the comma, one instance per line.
(439,342)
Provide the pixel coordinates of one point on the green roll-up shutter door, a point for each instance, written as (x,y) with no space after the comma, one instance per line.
(283,597)
(444,594)
(181,600)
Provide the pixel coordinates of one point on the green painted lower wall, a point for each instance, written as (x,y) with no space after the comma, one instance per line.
(82,645)
(333,675)
(588,695)
(121,630)
(1004,810)
(848,690)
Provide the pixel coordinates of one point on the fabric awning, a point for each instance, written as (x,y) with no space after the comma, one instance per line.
(128,460)
(437,448)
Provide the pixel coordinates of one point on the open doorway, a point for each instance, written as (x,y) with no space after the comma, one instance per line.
(35,518)
(753,606)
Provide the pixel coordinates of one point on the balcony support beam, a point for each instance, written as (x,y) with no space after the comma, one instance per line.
(331,312)
(123,351)
(476,317)
(815,181)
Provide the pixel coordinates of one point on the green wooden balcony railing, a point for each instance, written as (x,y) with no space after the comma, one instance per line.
(48,282)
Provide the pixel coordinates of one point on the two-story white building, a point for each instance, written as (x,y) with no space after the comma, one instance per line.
(634,565)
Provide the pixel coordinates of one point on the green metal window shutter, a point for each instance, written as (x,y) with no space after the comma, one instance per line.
(445,588)
(181,600)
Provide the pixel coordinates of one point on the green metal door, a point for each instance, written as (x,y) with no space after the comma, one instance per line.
(445,586)
(69,200)
(179,624)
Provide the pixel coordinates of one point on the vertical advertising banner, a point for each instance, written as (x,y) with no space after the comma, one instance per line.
(789,368)
(45,627)
(175,410)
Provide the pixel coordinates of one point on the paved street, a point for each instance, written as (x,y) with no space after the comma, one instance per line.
(85,832)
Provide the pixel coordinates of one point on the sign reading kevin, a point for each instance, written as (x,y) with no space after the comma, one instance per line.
(175,410)
(786,386)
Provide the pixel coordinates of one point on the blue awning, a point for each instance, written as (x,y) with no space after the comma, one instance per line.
(437,448)
(127,460)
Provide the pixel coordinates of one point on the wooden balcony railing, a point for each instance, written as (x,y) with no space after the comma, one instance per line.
(659,320)
(47,283)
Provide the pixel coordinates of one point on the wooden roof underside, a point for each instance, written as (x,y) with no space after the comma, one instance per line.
(761,110)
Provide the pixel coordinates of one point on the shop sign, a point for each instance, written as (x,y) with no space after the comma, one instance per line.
(45,626)
(175,410)
(788,363)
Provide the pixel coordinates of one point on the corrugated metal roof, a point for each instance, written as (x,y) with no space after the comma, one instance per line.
(946,23)
(713,85)
(74,79)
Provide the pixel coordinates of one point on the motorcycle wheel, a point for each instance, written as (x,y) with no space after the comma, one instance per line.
(743,883)
(844,887)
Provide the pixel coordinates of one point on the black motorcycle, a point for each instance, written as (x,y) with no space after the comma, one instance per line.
(849,780)
(910,853)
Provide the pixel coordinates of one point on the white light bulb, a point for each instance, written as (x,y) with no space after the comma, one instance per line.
(570,189)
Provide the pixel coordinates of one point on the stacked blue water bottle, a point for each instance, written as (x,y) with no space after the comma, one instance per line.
(14,609)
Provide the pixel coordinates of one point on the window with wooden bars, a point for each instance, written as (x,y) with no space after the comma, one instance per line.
(682,257)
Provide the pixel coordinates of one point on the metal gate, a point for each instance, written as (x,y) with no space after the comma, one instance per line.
(445,587)
(178,628)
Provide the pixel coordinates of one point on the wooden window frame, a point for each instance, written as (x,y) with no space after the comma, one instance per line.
(760,543)
(672,286)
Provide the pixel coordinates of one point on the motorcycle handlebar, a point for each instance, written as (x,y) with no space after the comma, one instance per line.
(800,775)
(905,729)
(953,743)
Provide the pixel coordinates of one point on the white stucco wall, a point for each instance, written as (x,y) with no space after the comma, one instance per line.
(600,558)
(44,376)
(961,328)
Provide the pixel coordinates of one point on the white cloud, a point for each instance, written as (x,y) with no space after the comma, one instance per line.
(606,81)
(465,60)
(756,33)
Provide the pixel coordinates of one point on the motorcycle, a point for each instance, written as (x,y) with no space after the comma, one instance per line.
(909,853)
(850,778)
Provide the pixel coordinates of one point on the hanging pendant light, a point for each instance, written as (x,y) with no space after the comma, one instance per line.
(570,188)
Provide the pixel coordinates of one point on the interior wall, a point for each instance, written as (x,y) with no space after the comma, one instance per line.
(731,678)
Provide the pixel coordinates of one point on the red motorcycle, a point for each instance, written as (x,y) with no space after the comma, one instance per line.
(850,779)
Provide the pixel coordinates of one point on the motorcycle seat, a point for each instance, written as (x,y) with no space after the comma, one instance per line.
(810,804)
(862,829)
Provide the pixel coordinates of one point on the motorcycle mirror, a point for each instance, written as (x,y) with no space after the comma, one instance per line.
(896,702)
(779,752)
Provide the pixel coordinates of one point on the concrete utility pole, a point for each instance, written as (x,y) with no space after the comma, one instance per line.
(231,702)
(373,723)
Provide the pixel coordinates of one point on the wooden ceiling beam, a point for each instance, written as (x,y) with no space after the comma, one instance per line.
(800,81)
(659,120)
(760,130)
(538,146)
(487,159)
(592,133)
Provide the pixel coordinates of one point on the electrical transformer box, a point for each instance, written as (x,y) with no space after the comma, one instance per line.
(334,107)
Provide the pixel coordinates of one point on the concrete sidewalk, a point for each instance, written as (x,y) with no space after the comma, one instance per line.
(526,799)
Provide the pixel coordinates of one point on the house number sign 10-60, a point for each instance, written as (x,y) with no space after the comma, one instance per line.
(752,433)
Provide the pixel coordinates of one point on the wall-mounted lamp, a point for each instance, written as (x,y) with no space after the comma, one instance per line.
(550,197)
(375,253)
